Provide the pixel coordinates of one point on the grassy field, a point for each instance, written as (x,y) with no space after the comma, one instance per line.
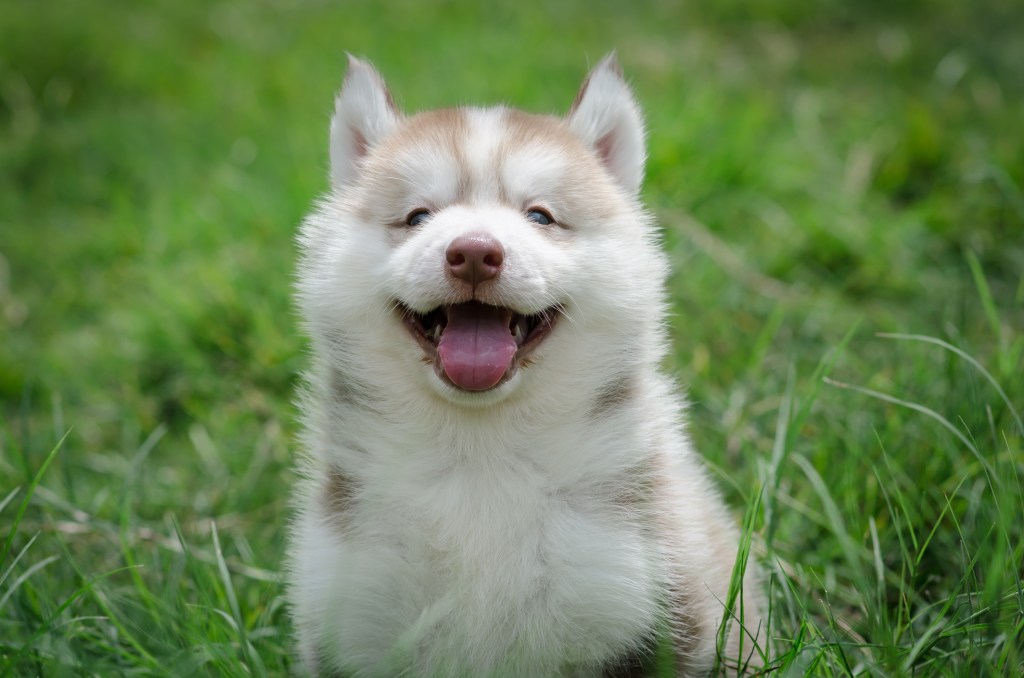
(840,186)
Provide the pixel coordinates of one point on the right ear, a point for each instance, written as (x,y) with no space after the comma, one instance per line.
(363,114)
(606,116)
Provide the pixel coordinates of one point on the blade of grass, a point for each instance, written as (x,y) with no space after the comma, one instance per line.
(779,450)
(970,360)
(49,624)
(987,302)
(926,411)
(835,518)
(824,366)
(100,599)
(8,498)
(735,592)
(229,590)
(22,552)
(28,496)
(25,575)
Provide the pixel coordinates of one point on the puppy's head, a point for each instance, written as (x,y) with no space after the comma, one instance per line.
(481,252)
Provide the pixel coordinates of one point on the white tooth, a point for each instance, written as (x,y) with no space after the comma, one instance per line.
(437,332)
(517,333)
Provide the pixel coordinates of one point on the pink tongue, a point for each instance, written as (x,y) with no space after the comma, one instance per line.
(476,346)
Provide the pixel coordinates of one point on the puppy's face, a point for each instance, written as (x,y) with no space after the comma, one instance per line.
(467,249)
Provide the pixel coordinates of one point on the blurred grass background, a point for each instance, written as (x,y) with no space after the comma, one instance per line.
(825,171)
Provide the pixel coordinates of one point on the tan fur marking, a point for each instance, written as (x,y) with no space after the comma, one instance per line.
(585,167)
(523,128)
(444,127)
(453,119)
(612,395)
(441,129)
(579,94)
(343,390)
(338,495)
(616,68)
(635,493)
(683,626)
(390,100)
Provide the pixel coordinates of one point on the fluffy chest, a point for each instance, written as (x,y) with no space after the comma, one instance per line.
(478,569)
(505,526)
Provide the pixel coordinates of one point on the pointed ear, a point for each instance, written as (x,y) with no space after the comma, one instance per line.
(363,114)
(606,116)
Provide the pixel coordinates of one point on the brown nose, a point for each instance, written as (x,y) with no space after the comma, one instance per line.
(475,257)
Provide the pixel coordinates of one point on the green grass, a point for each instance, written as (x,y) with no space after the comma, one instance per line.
(842,191)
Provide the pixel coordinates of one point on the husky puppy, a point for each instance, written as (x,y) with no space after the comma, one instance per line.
(498,481)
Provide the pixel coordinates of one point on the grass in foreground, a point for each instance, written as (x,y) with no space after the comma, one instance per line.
(828,177)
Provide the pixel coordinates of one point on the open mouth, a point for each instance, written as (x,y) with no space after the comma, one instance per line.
(476,346)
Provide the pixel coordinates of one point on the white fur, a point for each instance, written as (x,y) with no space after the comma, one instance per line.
(486,532)
(608,119)
(363,114)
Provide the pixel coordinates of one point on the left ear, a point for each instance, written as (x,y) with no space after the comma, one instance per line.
(606,116)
